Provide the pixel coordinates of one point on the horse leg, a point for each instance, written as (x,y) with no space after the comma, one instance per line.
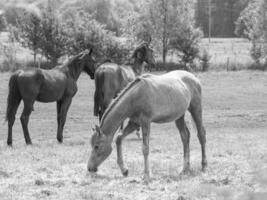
(63,107)
(128,129)
(145,148)
(11,121)
(58,111)
(121,127)
(185,136)
(28,108)
(196,112)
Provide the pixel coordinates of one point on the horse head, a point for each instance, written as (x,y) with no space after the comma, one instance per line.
(89,62)
(144,53)
(101,149)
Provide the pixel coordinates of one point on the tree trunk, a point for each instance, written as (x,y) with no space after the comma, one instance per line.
(164,52)
(164,36)
(34,58)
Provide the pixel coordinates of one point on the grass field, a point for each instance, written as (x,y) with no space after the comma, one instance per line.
(235,116)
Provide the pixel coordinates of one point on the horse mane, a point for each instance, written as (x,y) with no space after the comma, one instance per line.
(118,98)
(68,61)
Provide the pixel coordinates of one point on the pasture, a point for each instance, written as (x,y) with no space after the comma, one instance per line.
(231,53)
(235,117)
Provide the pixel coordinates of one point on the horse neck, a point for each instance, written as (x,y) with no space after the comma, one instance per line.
(137,67)
(121,111)
(73,69)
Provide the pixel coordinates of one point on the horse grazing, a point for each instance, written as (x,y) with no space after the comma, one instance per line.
(150,98)
(111,78)
(58,84)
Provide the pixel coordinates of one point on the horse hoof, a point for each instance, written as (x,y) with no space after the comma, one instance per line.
(204,168)
(146,179)
(29,143)
(125,173)
(186,171)
(9,143)
(60,140)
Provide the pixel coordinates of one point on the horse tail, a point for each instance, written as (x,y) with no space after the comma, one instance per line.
(13,98)
(98,98)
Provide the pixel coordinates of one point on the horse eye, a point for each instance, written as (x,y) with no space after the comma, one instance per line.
(96,147)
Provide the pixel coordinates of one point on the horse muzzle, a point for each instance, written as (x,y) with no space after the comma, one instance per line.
(92,169)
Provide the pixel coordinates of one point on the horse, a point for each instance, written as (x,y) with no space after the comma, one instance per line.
(57,84)
(150,98)
(111,78)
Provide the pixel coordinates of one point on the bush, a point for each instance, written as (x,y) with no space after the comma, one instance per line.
(258,66)
(256,52)
(186,41)
(85,32)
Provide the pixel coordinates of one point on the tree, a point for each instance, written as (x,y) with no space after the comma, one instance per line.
(84,31)
(158,19)
(186,40)
(252,24)
(54,39)
(223,16)
(29,32)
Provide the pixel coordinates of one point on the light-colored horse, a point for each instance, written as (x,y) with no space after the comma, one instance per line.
(150,98)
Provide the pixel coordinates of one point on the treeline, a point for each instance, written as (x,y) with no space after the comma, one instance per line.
(54,28)
(223,15)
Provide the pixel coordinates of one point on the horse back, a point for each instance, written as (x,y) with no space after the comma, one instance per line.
(166,97)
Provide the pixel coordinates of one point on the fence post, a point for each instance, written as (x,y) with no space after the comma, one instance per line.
(227,64)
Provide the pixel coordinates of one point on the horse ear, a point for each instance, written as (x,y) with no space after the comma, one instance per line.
(82,55)
(146,44)
(149,40)
(93,129)
(98,130)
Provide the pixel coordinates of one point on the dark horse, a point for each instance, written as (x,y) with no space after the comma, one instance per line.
(58,84)
(111,78)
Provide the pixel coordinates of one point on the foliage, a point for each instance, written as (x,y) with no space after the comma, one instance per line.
(85,32)
(103,11)
(43,34)
(9,51)
(162,20)
(54,38)
(252,24)
(30,32)
(69,26)
(186,41)
(224,13)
